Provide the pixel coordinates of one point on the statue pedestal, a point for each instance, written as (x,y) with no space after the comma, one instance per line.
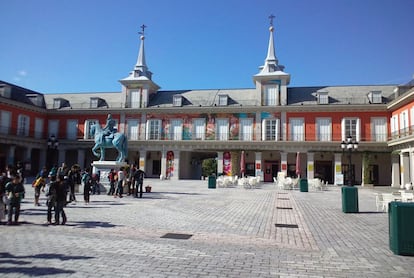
(104,167)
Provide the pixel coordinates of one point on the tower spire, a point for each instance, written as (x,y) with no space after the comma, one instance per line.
(141,65)
(271,61)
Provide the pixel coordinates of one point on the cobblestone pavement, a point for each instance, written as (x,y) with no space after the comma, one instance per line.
(233,232)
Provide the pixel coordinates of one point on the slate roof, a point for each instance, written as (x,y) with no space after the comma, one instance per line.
(23,95)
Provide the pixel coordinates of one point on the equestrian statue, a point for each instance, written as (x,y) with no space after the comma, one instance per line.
(108,137)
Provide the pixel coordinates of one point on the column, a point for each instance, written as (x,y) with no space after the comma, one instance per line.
(61,156)
(283,126)
(10,159)
(81,158)
(258,129)
(395,171)
(310,166)
(42,158)
(283,162)
(339,177)
(163,163)
(176,173)
(141,162)
(27,160)
(219,163)
(258,165)
(405,169)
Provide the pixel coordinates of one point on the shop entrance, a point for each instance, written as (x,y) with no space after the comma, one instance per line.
(271,168)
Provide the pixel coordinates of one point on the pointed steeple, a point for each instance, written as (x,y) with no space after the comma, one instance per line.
(141,65)
(271,61)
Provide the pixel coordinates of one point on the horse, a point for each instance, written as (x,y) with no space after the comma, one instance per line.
(117,141)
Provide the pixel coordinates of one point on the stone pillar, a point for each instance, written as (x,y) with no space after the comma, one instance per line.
(163,163)
(395,171)
(141,162)
(219,162)
(283,162)
(10,159)
(258,165)
(61,156)
(283,127)
(81,158)
(258,129)
(405,168)
(176,173)
(310,166)
(339,177)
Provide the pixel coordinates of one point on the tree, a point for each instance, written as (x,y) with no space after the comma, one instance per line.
(209,167)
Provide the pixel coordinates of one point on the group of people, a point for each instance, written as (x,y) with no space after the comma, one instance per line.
(58,185)
(132,178)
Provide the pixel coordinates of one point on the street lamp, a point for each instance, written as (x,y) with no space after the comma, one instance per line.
(52,145)
(350,145)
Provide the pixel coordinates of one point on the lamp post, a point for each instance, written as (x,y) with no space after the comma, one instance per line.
(52,145)
(350,145)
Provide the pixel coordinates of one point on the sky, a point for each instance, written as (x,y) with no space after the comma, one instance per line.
(69,46)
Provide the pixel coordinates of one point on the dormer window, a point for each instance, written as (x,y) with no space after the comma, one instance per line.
(375,97)
(223,100)
(177,100)
(323,98)
(96,102)
(59,103)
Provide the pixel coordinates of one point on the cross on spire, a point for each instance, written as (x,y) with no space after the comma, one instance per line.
(271,17)
(143,26)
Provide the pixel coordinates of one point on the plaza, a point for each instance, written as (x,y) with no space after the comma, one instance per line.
(185,229)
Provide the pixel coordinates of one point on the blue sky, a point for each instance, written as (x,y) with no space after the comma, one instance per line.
(88,45)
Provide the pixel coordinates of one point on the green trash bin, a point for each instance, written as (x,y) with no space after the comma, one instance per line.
(349,199)
(211,182)
(303,185)
(401,228)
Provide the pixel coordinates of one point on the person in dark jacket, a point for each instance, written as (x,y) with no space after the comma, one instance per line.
(15,194)
(61,195)
(51,195)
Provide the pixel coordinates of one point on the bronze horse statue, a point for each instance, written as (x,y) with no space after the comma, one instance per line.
(115,140)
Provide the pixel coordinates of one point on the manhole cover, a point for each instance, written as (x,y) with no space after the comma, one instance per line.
(283,208)
(287,225)
(176,236)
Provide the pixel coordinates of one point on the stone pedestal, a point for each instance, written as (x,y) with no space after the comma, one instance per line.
(104,167)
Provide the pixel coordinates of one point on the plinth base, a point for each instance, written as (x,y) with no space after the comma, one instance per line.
(104,167)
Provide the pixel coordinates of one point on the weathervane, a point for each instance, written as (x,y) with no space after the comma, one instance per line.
(271,19)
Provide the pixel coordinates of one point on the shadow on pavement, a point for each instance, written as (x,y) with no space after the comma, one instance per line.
(7,258)
(91,224)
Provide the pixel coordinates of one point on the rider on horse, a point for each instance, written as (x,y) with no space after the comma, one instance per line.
(109,129)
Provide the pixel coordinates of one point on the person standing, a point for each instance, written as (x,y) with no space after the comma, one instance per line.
(120,185)
(111,178)
(51,194)
(61,195)
(15,194)
(87,183)
(138,181)
(38,184)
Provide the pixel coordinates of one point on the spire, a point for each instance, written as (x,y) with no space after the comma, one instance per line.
(141,64)
(271,62)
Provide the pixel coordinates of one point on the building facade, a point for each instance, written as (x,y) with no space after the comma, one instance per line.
(275,127)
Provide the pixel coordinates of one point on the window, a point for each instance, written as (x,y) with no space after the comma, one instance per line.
(135,98)
(72,129)
(94,102)
(323,98)
(379,129)
(53,128)
(375,97)
(394,126)
(133,127)
(404,122)
(351,127)
(154,130)
(270,130)
(38,130)
(176,129)
(178,100)
(199,129)
(271,95)
(297,129)
(56,103)
(222,129)
(223,100)
(323,129)
(5,122)
(87,131)
(23,125)
(246,129)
